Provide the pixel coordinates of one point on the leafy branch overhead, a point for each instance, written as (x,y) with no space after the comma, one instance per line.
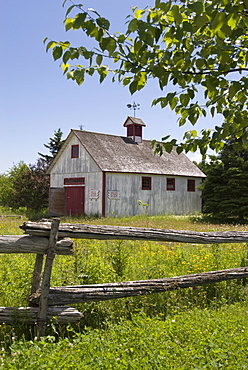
(190,48)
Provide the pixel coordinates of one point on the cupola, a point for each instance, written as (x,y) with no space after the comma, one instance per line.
(134,128)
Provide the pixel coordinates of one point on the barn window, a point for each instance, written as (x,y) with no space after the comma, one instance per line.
(74,181)
(191,185)
(170,184)
(74,151)
(146,183)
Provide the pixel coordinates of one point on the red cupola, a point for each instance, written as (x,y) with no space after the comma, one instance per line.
(134,128)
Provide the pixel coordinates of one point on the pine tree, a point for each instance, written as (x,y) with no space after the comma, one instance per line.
(54,144)
(225,191)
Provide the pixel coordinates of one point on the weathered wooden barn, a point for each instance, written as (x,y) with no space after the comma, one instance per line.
(99,174)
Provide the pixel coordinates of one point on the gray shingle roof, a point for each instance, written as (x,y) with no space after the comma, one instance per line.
(120,154)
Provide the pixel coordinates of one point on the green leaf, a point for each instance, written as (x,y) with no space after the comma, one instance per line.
(64,44)
(50,45)
(79,21)
(99,59)
(200,63)
(133,87)
(133,25)
(182,121)
(108,43)
(173,102)
(90,71)
(212,110)
(94,11)
(79,76)
(66,56)
(165,6)
(193,133)
(69,10)
(126,81)
(65,67)
(57,52)
(187,26)
(197,7)
(235,87)
(137,46)
(201,21)
(191,93)
(218,21)
(103,23)
(74,53)
(165,138)
(68,23)
(103,72)
(184,99)
(224,57)
(176,14)
(168,147)
(138,13)
(179,149)
(233,20)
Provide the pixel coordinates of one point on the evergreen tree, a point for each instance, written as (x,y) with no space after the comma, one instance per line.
(225,191)
(54,144)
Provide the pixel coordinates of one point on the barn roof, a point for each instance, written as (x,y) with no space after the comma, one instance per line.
(120,154)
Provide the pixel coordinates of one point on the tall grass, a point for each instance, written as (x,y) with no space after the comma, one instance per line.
(193,328)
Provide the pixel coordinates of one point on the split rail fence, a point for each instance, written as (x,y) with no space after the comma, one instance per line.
(48,238)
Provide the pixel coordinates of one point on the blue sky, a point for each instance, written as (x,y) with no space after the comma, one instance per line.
(36,99)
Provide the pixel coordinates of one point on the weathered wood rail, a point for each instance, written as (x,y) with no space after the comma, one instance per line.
(29,315)
(103,292)
(103,232)
(51,238)
(33,244)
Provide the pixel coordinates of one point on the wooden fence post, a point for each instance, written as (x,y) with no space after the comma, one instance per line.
(42,314)
(37,273)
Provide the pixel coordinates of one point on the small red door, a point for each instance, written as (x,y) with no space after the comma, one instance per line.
(75,200)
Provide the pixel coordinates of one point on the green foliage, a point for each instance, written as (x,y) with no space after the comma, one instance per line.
(54,144)
(25,186)
(7,182)
(192,340)
(225,190)
(191,48)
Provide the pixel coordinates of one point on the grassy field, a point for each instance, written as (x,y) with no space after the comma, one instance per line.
(195,328)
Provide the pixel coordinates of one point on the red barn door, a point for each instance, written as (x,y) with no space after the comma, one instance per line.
(74,200)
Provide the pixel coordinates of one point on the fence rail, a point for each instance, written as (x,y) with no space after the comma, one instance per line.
(103,292)
(48,238)
(103,232)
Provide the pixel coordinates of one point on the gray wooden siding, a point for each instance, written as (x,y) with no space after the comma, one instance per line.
(68,166)
(84,166)
(159,199)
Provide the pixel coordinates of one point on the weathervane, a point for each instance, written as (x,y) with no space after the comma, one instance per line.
(133,106)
